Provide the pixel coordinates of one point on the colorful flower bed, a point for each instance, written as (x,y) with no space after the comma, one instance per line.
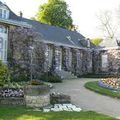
(110,83)
(11,92)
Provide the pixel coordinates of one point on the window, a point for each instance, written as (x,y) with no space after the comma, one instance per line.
(3,29)
(5,14)
(0,55)
(104,61)
(70,58)
(0,13)
(1,43)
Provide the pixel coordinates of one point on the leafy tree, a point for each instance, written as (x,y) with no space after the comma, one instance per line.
(56,13)
(96,41)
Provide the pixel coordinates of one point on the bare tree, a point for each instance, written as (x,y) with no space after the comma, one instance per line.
(107,24)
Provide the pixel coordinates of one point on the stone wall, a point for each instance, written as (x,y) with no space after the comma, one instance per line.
(109,66)
(37,96)
(67,58)
(12,101)
(32,96)
(37,101)
(77,61)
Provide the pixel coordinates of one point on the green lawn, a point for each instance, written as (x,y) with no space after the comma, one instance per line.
(21,113)
(96,88)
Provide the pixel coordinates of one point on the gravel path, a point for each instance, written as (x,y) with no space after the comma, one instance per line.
(86,99)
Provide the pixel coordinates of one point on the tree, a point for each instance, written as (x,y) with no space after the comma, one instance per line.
(56,13)
(96,41)
(107,25)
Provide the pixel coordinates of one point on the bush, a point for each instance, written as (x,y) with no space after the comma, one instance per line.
(4,74)
(19,74)
(36,82)
(50,77)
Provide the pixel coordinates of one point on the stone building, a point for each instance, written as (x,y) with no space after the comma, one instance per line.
(64,50)
(106,58)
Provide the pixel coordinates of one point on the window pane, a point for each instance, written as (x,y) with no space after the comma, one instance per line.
(3,29)
(5,13)
(104,61)
(1,43)
(0,13)
(0,55)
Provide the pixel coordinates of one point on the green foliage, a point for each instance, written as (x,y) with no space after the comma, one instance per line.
(19,73)
(4,74)
(23,113)
(96,88)
(56,13)
(96,41)
(36,82)
(50,77)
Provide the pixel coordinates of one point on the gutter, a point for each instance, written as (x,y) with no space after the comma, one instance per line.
(61,44)
(15,23)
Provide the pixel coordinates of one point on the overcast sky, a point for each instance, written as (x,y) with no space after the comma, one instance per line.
(83,12)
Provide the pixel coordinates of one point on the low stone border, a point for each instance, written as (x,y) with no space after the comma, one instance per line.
(12,101)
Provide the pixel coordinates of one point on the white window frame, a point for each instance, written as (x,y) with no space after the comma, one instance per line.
(3,29)
(4,12)
(0,13)
(1,55)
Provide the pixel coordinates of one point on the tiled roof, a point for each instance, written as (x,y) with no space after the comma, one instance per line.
(50,33)
(56,34)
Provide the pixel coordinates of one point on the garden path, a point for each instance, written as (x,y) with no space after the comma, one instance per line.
(86,99)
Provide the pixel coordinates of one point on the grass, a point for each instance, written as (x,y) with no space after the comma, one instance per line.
(22,113)
(96,88)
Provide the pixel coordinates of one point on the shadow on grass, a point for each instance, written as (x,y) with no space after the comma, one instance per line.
(22,113)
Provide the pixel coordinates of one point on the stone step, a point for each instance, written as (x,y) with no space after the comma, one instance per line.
(66,75)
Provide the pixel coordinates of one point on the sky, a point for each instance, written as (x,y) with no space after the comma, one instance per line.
(84,12)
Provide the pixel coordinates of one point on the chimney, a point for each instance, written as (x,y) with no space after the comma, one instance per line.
(88,42)
(21,14)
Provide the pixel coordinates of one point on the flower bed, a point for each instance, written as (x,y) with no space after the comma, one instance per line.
(11,92)
(110,83)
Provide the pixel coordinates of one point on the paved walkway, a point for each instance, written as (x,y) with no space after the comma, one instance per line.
(88,100)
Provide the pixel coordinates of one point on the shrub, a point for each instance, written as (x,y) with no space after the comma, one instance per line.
(36,82)
(50,77)
(19,73)
(4,74)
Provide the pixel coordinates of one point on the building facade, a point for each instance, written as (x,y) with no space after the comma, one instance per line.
(63,49)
